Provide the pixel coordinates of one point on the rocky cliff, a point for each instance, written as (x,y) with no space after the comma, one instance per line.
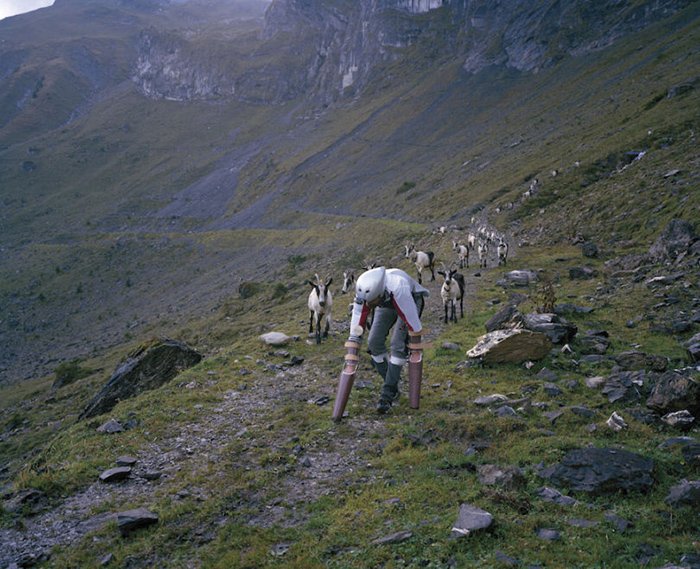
(328,50)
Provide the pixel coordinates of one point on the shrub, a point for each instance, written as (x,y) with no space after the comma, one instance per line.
(68,372)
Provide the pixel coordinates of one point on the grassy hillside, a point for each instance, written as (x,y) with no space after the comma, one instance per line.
(202,222)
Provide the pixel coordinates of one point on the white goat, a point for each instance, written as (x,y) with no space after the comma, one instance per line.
(502,251)
(348,281)
(422,260)
(462,254)
(320,304)
(471,241)
(483,251)
(452,290)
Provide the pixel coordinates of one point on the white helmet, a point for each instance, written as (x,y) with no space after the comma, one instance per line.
(370,285)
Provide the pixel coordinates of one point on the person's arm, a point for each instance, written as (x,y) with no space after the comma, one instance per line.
(360,312)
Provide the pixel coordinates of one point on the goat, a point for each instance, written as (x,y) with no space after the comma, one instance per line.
(452,290)
(348,281)
(483,251)
(502,251)
(320,304)
(349,277)
(471,241)
(422,260)
(462,254)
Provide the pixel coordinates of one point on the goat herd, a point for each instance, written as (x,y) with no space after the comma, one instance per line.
(320,300)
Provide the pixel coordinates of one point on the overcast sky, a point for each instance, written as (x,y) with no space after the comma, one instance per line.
(12,7)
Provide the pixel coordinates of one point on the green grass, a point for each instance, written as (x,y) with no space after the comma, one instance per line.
(414,472)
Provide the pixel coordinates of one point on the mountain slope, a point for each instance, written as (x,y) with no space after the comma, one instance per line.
(109,217)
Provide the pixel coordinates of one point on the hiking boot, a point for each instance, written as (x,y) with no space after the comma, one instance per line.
(384,405)
(390,390)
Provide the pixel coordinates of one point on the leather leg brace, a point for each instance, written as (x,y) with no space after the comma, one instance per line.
(347,378)
(415,367)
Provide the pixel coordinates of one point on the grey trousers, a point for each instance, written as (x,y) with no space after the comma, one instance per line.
(384,318)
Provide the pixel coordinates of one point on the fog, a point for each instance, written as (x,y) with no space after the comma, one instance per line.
(14,7)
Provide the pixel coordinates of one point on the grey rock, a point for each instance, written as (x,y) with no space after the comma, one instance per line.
(675,392)
(685,494)
(131,520)
(275,338)
(152,475)
(505,411)
(581,523)
(552,415)
(620,523)
(691,454)
(506,317)
(616,422)
(146,369)
(674,241)
(115,474)
(635,360)
(593,342)
(694,352)
(490,399)
(546,374)
(552,495)
(548,534)
(568,308)
(397,537)
(506,560)
(602,471)
(471,519)
(520,278)
(583,411)
(681,419)
(514,346)
(508,477)
(594,382)
(582,273)
(552,389)
(125,461)
(110,427)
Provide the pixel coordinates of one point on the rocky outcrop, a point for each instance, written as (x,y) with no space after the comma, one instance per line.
(329,50)
(148,368)
(602,471)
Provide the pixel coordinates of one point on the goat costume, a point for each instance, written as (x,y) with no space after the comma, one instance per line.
(400,304)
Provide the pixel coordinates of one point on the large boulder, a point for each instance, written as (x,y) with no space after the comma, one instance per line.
(674,241)
(147,368)
(602,471)
(635,360)
(673,392)
(501,346)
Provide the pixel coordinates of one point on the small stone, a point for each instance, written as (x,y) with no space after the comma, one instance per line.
(398,537)
(616,422)
(132,520)
(111,426)
(115,474)
(471,519)
(152,475)
(125,461)
(621,523)
(548,534)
